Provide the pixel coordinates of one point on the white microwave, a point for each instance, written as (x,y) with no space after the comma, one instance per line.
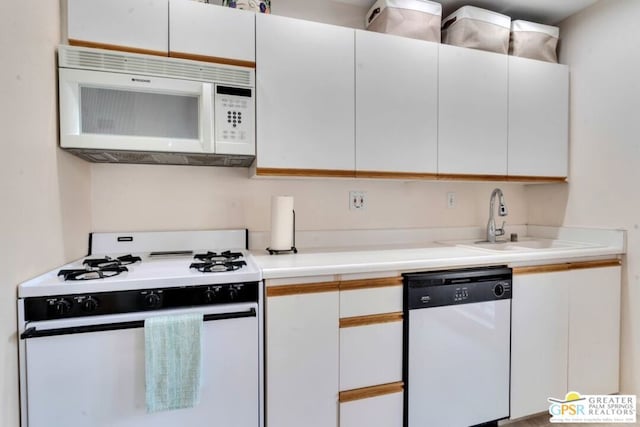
(132,108)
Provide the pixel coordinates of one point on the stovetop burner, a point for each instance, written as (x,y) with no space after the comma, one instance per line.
(218,258)
(99,268)
(92,273)
(107,261)
(217,266)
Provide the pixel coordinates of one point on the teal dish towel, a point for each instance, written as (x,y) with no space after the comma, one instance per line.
(173,361)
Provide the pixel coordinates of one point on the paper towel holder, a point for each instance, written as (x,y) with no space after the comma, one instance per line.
(293,248)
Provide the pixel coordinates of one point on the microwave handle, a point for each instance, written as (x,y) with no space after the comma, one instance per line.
(208,118)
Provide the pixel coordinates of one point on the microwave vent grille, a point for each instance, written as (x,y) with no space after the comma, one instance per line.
(105,60)
(161,158)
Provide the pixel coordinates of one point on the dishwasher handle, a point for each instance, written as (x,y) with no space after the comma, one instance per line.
(33,332)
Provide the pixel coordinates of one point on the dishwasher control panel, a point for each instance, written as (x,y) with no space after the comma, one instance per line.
(452,287)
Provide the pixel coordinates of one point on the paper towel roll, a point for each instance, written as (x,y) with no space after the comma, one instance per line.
(281,223)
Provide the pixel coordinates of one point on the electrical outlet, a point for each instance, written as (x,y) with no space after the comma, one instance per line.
(451,200)
(357,200)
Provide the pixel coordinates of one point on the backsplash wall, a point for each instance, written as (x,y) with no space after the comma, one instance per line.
(148,197)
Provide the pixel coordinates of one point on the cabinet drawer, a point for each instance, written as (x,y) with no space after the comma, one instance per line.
(379,411)
(362,302)
(370,354)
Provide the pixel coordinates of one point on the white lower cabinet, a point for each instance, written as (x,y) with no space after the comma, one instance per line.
(539,341)
(565,333)
(302,357)
(379,411)
(594,330)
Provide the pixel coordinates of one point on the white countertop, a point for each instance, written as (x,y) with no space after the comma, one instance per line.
(413,257)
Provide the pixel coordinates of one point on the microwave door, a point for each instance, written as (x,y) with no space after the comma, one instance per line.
(112,111)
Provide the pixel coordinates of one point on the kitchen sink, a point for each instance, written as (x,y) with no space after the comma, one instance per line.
(521,246)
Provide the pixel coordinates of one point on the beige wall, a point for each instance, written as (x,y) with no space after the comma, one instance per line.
(601,45)
(141,197)
(44,193)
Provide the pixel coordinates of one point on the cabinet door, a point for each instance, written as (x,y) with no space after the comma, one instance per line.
(539,340)
(302,360)
(472,112)
(305,101)
(140,25)
(396,104)
(594,330)
(209,32)
(538,118)
(380,411)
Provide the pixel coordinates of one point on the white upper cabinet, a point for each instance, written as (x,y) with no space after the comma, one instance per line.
(396,104)
(305,95)
(210,32)
(139,25)
(472,112)
(538,118)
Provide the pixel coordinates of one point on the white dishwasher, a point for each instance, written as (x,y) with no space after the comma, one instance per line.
(457,342)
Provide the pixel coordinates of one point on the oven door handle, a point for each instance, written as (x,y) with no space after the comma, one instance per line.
(32,332)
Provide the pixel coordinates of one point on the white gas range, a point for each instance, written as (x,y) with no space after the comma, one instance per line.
(81,328)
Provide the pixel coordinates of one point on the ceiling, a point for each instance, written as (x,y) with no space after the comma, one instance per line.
(541,11)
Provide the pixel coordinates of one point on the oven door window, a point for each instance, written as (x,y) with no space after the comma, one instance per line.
(98,378)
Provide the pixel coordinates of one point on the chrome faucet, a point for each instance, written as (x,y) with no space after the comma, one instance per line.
(492,231)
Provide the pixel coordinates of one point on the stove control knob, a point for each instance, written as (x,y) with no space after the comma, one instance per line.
(233,294)
(210,295)
(151,300)
(62,307)
(89,305)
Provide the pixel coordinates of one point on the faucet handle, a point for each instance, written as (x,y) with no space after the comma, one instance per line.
(501,231)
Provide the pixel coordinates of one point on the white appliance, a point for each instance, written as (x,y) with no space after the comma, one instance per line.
(133,108)
(81,328)
(457,347)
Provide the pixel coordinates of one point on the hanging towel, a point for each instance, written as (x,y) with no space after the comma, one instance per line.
(173,361)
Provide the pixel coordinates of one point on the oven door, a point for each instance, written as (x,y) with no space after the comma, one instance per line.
(113,111)
(90,371)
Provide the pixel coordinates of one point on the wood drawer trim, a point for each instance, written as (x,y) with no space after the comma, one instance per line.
(331,173)
(369,392)
(470,177)
(82,43)
(567,266)
(382,282)
(549,268)
(215,59)
(595,264)
(370,319)
(396,175)
(524,178)
(310,288)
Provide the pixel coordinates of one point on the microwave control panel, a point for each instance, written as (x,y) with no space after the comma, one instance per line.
(234,114)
